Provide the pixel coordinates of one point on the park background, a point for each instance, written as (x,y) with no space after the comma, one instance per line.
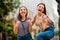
(9,10)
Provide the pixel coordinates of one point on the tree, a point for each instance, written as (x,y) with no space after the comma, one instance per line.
(6,6)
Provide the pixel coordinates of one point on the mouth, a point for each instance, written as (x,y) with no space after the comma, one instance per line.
(39,10)
(23,12)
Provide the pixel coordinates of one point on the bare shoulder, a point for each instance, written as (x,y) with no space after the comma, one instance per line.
(45,16)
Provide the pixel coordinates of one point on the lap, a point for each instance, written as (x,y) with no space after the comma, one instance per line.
(26,37)
(46,34)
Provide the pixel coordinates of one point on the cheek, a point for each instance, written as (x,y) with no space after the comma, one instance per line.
(42,10)
(25,12)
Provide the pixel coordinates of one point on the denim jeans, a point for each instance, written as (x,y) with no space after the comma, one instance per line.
(46,35)
(25,37)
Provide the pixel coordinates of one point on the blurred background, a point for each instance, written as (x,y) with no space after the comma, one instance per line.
(9,10)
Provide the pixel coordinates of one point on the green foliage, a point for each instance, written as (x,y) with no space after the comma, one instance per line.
(16,3)
(9,30)
(8,5)
(5,7)
(57,32)
(1,27)
(14,37)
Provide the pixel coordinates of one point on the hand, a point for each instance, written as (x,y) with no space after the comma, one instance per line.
(17,23)
(29,18)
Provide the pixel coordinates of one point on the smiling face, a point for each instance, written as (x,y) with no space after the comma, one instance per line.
(23,11)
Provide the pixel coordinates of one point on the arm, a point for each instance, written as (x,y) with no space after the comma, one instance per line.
(45,22)
(15,27)
(33,21)
(30,27)
(29,24)
(50,22)
(30,19)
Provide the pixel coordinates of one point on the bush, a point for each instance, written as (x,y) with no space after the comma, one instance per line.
(9,30)
(1,26)
(57,32)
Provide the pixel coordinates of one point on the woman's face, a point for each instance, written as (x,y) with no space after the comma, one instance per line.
(23,11)
(40,8)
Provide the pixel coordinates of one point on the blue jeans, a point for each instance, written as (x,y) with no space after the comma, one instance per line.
(25,37)
(46,35)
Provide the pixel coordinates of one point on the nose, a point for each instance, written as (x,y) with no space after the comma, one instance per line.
(23,10)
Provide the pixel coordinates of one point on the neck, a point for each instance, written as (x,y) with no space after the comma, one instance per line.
(23,18)
(40,14)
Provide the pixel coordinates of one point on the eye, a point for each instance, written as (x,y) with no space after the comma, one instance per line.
(42,7)
(20,9)
(24,9)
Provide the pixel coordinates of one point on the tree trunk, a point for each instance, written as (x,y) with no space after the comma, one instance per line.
(0,35)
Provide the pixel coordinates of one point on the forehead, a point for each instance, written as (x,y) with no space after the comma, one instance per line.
(41,5)
(22,8)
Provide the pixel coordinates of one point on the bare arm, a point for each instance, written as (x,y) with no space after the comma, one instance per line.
(30,27)
(15,27)
(33,21)
(50,22)
(45,22)
(29,24)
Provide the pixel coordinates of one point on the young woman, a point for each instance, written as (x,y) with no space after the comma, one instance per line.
(22,25)
(45,24)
